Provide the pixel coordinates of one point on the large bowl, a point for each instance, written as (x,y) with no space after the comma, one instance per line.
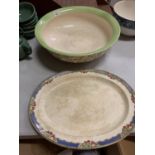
(77,34)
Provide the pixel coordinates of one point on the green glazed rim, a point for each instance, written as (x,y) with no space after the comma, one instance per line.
(81,9)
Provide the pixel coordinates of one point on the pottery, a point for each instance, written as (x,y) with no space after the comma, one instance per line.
(124,11)
(83,109)
(77,34)
(26,12)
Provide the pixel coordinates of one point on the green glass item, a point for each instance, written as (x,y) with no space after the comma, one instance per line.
(20,40)
(27,20)
(31,22)
(21,31)
(24,48)
(26,12)
(29,28)
(28,34)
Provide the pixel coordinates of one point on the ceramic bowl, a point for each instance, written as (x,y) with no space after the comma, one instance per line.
(124,11)
(77,34)
(26,12)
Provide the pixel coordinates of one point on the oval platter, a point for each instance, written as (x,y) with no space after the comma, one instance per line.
(83,110)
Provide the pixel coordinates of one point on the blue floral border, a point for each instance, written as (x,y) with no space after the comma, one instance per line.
(88,144)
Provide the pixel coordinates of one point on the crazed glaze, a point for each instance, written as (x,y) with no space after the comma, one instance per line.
(79,106)
(77,32)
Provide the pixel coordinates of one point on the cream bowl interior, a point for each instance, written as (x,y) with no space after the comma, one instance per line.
(77,33)
(125,9)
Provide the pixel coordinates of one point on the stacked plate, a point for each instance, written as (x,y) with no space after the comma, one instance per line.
(27,19)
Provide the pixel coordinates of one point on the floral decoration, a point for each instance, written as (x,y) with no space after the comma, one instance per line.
(32,104)
(127,129)
(50,135)
(110,76)
(88,144)
(133,98)
(47,81)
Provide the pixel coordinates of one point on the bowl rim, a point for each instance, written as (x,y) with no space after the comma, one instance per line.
(84,9)
(122,1)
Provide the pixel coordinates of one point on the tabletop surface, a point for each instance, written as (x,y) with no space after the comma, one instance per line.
(120,60)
